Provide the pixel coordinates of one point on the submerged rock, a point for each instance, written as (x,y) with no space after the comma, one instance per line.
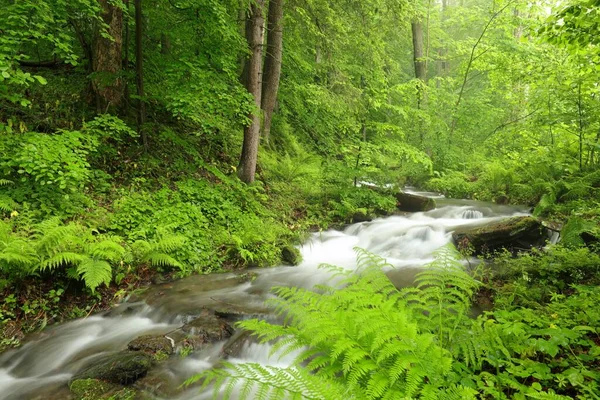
(514,233)
(414,203)
(121,368)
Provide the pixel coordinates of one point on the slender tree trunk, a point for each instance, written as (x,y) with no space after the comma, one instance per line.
(139,72)
(106,60)
(126,44)
(272,72)
(581,125)
(420,69)
(255,36)
(419,55)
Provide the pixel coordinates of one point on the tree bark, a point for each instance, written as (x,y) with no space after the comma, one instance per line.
(417,34)
(272,71)
(255,36)
(139,72)
(106,58)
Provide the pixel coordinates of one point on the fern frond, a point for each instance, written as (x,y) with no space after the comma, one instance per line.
(158,259)
(61,259)
(571,232)
(254,381)
(94,272)
(7,204)
(107,249)
(5,182)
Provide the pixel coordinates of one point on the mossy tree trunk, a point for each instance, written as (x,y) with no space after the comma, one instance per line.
(106,58)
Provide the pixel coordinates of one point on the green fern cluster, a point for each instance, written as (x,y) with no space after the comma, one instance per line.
(361,338)
(80,252)
(361,334)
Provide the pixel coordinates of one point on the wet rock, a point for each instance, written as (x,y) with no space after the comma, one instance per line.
(122,368)
(291,255)
(360,217)
(208,328)
(414,203)
(235,312)
(247,277)
(151,344)
(94,389)
(513,234)
(159,384)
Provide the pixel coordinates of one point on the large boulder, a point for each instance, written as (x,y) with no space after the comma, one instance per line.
(413,202)
(516,233)
(121,368)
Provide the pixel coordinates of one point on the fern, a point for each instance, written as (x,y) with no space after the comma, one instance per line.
(94,272)
(254,381)
(572,230)
(158,251)
(7,204)
(360,332)
(442,298)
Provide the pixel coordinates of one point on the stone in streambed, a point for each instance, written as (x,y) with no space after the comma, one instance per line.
(514,233)
(206,329)
(151,344)
(290,255)
(121,368)
(414,203)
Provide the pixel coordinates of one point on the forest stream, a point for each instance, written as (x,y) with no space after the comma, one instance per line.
(43,366)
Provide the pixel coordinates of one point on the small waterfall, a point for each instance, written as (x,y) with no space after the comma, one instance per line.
(471,214)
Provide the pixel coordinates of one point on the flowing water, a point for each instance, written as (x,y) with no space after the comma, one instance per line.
(42,368)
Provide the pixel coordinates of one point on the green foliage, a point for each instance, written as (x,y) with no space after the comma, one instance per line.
(362,338)
(77,252)
(49,171)
(452,183)
(532,278)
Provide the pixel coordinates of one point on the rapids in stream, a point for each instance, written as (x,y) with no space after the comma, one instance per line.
(41,368)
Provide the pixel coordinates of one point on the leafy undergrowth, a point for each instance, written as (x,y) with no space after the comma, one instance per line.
(361,338)
(85,231)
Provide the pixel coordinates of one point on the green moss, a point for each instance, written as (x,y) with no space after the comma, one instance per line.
(291,255)
(90,389)
(160,356)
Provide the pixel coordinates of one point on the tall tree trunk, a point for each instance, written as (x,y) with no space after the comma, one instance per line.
(139,72)
(418,46)
(126,44)
(420,69)
(255,36)
(106,60)
(272,71)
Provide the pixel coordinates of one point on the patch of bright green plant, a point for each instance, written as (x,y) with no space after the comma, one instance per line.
(362,338)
